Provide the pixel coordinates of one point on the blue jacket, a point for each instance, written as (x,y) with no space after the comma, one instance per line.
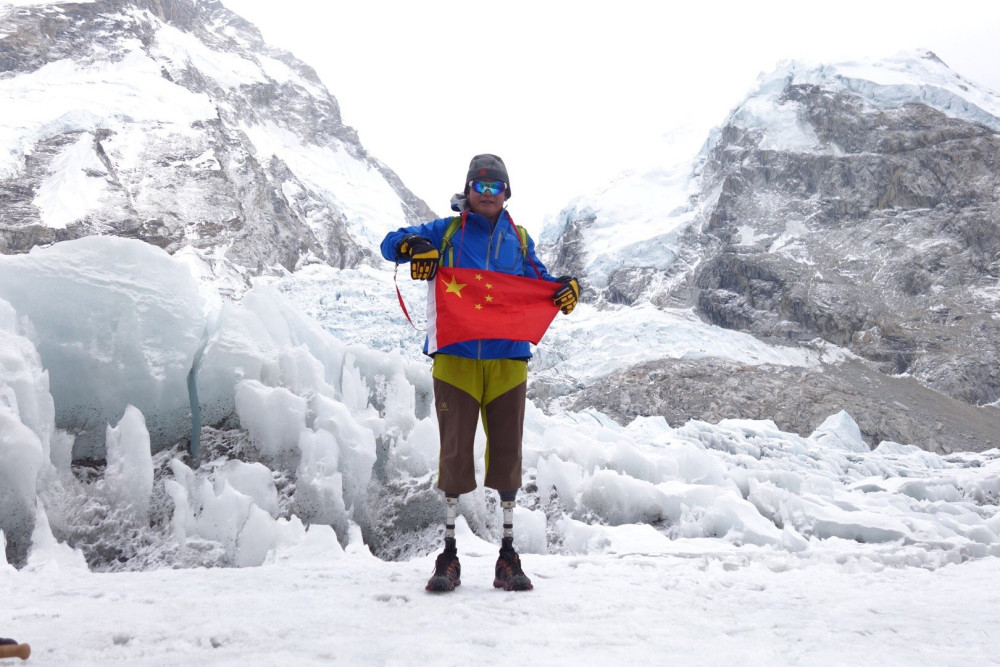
(482,246)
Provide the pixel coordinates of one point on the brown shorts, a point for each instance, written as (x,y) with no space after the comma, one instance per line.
(464,389)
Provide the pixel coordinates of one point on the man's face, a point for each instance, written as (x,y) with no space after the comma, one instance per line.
(487,205)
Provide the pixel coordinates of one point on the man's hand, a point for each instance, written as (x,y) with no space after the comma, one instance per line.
(422,254)
(567,296)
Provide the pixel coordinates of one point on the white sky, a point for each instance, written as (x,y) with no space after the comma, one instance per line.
(570,94)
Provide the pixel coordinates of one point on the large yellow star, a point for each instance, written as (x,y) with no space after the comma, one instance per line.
(455,287)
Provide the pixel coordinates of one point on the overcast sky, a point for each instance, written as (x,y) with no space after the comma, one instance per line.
(571,94)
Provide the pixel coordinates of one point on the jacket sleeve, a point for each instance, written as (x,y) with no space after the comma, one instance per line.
(432,231)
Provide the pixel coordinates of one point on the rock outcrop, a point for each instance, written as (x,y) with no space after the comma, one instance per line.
(830,205)
(172,121)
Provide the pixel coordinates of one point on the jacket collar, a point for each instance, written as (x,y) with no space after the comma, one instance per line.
(483,220)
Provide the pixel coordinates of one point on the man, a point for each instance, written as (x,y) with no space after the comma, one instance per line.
(487,376)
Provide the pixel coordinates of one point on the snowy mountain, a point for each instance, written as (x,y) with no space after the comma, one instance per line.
(172,121)
(851,205)
(151,424)
(299,427)
(843,217)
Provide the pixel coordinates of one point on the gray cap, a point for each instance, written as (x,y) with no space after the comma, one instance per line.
(487,167)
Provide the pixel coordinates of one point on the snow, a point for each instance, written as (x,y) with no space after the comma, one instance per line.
(777,121)
(27,418)
(22,460)
(916,76)
(352,187)
(65,96)
(316,604)
(787,243)
(120,320)
(886,83)
(277,70)
(633,335)
(274,416)
(637,220)
(129,472)
(282,73)
(720,543)
(31,3)
(183,49)
(840,431)
(48,556)
(747,528)
(75,185)
(359,306)
(24,384)
(223,515)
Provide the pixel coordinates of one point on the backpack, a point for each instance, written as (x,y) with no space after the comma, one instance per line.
(455,224)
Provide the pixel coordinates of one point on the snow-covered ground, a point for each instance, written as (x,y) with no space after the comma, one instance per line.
(694,602)
(728,543)
(360,306)
(655,543)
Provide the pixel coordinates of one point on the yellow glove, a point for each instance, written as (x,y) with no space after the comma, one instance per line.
(422,254)
(567,296)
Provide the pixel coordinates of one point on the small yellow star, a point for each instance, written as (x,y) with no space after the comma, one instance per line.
(479,276)
(488,298)
(489,285)
(479,306)
(455,287)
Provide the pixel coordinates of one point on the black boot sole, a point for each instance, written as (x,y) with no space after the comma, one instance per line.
(442,585)
(515,583)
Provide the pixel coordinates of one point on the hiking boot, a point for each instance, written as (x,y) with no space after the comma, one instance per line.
(447,569)
(509,575)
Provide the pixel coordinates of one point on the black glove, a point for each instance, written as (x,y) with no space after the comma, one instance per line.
(422,254)
(567,296)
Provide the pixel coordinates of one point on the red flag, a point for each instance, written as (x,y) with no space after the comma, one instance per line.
(468,304)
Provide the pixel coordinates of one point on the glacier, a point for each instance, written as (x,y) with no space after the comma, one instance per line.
(305,429)
(328,456)
(300,526)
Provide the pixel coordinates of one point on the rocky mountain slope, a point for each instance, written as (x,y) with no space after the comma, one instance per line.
(853,205)
(857,204)
(173,122)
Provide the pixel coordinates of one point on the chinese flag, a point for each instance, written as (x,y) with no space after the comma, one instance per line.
(468,304)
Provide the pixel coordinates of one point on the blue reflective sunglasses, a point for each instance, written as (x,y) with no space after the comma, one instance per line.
(488,187)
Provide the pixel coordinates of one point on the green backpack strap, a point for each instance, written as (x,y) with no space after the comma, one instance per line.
(454,224)
(447,249)
(522,234)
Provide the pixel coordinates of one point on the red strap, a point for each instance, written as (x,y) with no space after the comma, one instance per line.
(399,295)
(517,233)
(461,238)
